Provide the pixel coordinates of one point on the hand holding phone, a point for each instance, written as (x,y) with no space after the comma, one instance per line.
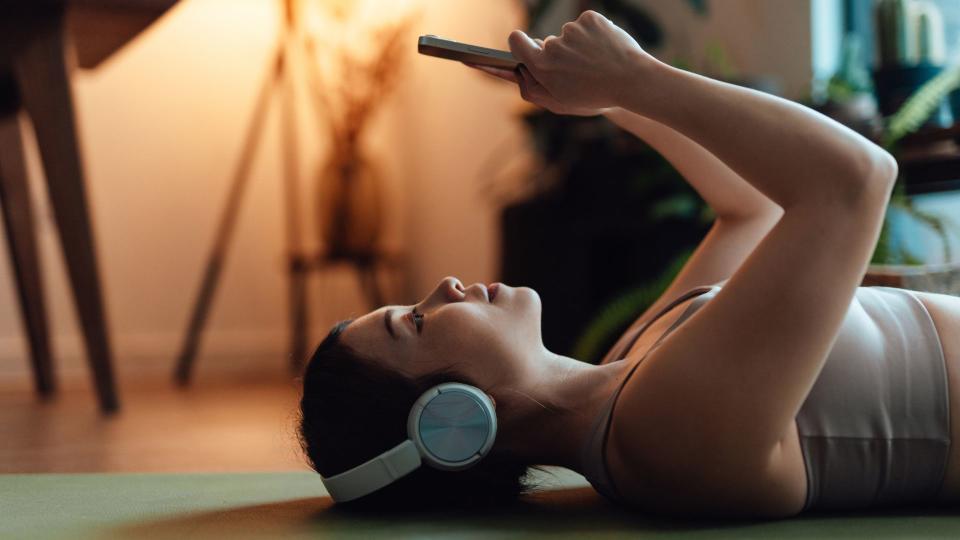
(504,65)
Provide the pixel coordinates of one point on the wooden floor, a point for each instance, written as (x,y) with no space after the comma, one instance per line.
(238,425)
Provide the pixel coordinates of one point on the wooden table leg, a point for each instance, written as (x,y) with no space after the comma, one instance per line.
(41,72)
(22,244)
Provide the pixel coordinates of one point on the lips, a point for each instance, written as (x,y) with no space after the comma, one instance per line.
(492,290)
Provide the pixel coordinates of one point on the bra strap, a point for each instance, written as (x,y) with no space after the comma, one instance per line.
(626,342)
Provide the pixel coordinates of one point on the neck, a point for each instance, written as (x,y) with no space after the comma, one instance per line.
(554,407)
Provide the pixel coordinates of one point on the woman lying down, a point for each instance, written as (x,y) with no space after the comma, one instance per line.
(763,383)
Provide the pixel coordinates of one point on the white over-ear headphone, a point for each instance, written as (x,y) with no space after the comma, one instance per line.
(451,426)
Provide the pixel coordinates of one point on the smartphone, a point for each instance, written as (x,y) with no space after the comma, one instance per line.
(463,52)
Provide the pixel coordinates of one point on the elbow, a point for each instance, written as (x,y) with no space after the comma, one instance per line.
(884,171)
(875,173)
(882,175)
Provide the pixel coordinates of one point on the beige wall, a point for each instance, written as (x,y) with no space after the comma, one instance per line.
(161,126)
(761,37)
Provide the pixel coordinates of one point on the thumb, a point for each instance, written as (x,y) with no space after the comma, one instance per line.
(526,50)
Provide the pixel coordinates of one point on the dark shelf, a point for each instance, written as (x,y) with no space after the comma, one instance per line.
(932,175)
(937,170)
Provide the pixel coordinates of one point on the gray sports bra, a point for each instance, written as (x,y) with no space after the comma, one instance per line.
(875,428)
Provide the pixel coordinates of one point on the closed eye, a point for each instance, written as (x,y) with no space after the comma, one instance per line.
(417,319)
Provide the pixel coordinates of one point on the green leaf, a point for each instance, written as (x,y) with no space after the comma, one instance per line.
(679,205)
(918,108)
(938,224)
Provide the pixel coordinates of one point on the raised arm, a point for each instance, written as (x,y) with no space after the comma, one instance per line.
(744,215)
(722,392)
(729,195)
(787,151)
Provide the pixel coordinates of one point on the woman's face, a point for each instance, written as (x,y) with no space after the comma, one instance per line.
(486,332)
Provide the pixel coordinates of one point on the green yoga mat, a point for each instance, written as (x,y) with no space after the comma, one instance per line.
(294,505)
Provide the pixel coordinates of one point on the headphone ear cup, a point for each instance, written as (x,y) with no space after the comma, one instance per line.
(453,426)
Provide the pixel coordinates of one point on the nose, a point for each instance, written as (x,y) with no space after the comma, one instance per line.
(448,290)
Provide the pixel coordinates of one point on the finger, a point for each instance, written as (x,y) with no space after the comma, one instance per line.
(591,16)
(524,83)
(534,87)
(539,42)
(525,49)
(504,74)
(533,93)
(531,88)
(524,72)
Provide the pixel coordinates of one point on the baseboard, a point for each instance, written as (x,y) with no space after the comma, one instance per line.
(136,355)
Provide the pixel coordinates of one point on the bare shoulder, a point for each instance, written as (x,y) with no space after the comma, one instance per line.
(658,311)
(779,491)
(708,417)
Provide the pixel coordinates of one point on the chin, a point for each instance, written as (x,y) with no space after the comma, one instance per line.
(533,298)
(529,310)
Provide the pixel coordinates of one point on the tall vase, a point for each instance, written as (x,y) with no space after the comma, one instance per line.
(350,204)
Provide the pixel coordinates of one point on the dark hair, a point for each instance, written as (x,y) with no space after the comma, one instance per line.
(353,409)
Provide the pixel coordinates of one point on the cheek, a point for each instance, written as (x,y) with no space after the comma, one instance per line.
(479,334)
(461,333)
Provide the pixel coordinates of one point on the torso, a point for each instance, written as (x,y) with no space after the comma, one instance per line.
(945,312)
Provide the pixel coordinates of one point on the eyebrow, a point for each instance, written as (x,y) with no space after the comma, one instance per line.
(386,322)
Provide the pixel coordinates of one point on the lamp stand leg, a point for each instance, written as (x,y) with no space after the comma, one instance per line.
(296,278)
(228,218)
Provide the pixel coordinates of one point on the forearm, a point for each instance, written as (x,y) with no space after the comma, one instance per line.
(729,195)
(786,151)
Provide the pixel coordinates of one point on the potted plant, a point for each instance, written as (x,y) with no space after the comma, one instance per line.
(913,86)
(893,263)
